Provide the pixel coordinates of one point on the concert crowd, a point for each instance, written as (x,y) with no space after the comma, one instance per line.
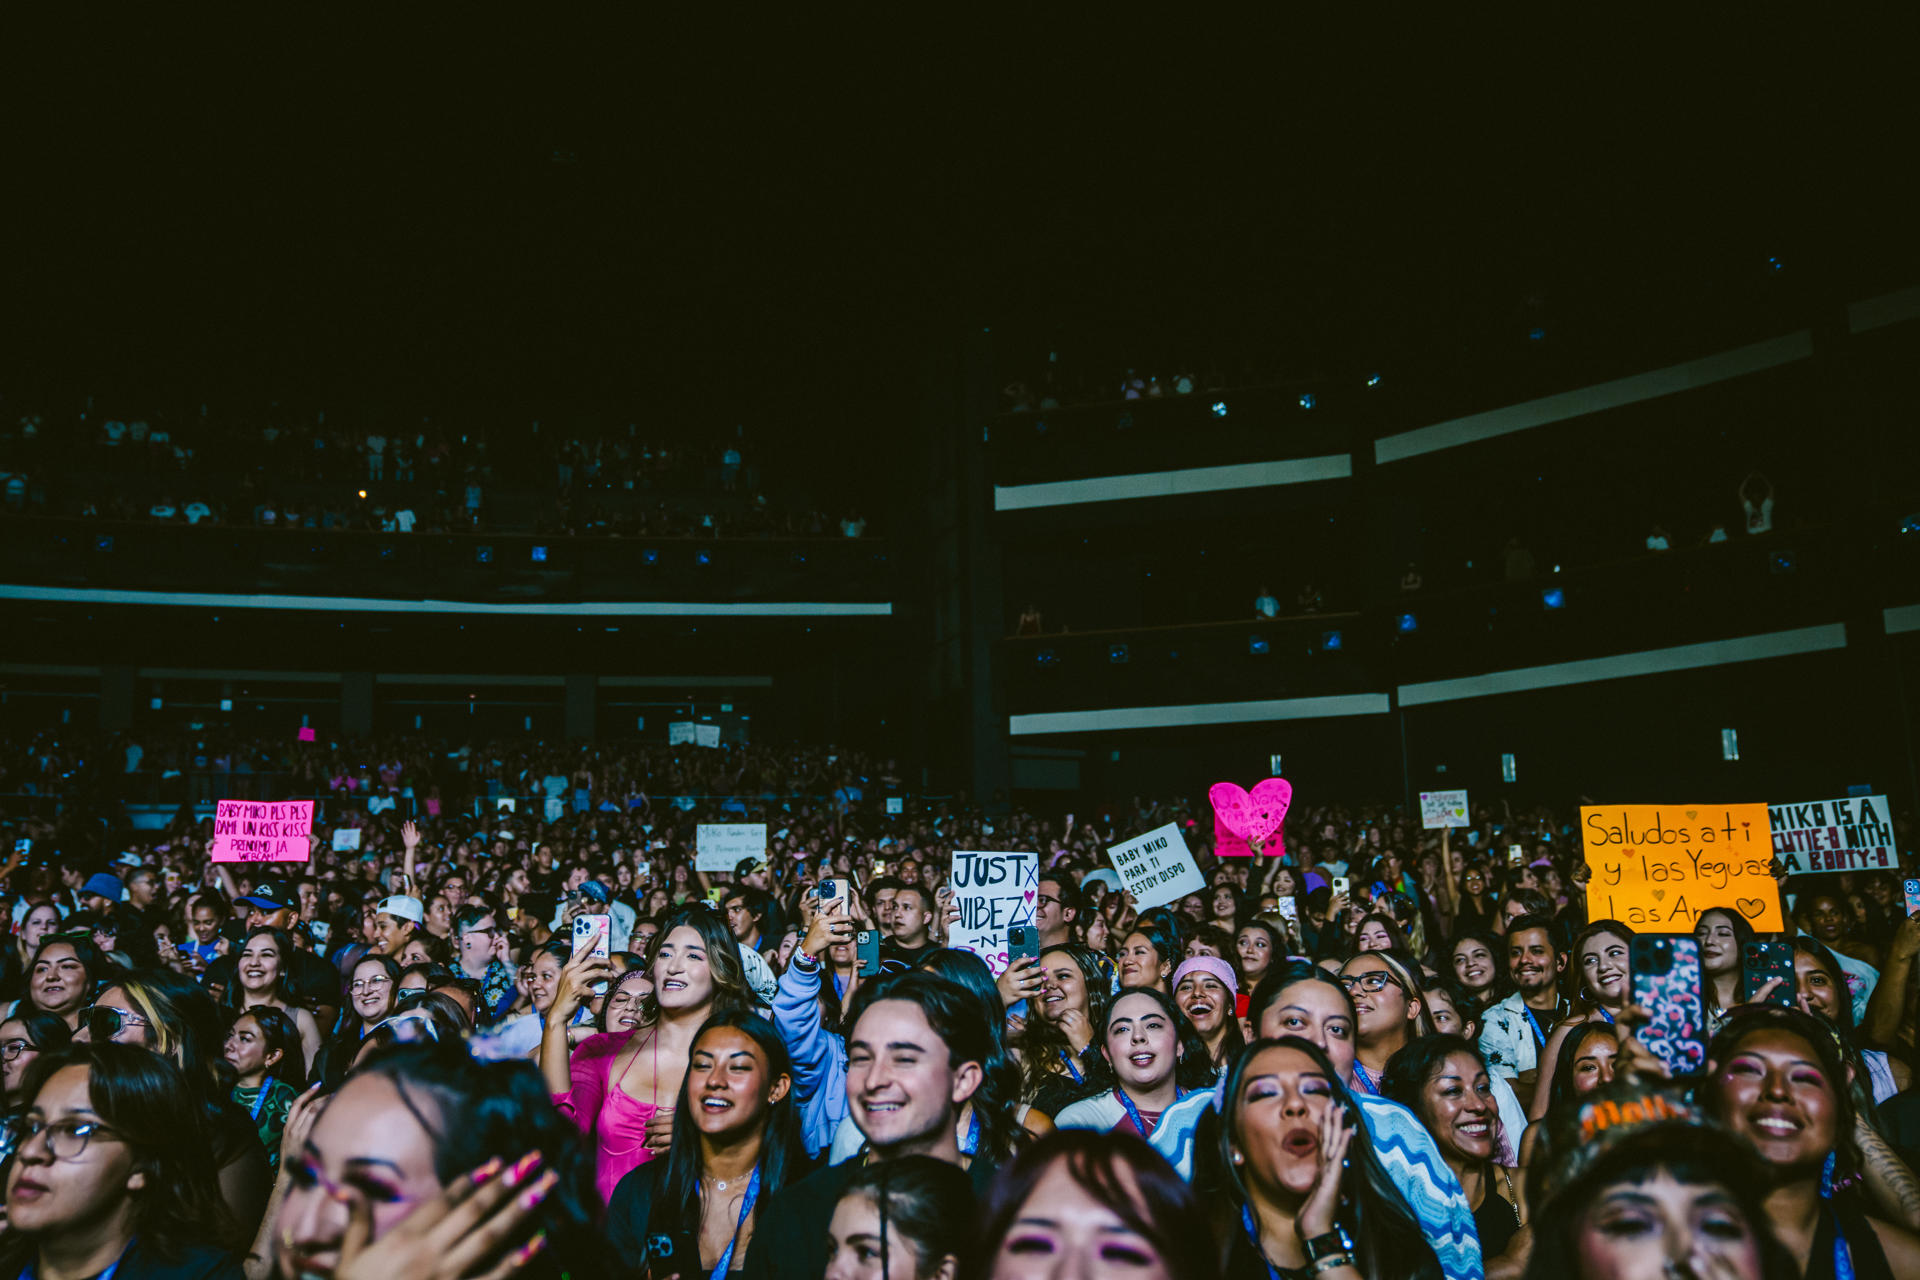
(553,1038)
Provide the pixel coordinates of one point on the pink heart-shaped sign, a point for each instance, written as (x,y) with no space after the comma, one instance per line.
(1252,817)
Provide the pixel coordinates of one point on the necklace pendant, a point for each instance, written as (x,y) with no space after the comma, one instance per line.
(719,1185)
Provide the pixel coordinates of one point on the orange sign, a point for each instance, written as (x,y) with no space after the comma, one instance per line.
(1657,867)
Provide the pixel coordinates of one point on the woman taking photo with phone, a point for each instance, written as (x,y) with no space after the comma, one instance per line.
(1305,1193)
(1154,1058)
(1722,935)
(736,1141)
(614,1085)
(1058,1046)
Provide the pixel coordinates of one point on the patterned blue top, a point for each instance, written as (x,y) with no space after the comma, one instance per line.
(1405,1150)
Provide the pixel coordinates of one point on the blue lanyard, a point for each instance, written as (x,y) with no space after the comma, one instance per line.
(1538,1035)
(1253,1233)
(31,1271)
(1133,1112)
(971,1143)
(1605,1014)
(259,1102)
(1072,1070)
(1842,1255)
(1363,1078)
(746,1207)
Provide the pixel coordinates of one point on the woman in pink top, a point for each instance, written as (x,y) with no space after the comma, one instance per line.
(619,1087)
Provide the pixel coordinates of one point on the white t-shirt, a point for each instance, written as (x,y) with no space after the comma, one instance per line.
(1760,518)
(403,520)
(1266,606)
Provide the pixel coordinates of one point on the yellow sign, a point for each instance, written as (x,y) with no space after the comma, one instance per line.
(1657,867)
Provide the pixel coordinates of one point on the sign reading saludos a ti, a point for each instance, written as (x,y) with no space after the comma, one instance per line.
(1657,866)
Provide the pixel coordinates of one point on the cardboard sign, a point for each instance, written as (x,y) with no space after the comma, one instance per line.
(1249,819)
(1657,867)
(993,891)
(1853,834)
(722,846)
(1443,809)
(680,731)
(244,831)
(346,839)
(1157,868)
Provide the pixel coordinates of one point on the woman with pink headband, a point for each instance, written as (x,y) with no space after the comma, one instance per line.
(1207,993)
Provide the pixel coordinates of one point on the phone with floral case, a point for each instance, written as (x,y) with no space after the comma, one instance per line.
(1666,983)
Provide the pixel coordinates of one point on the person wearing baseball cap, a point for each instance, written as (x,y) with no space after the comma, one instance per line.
(395,921)
(101,893)
(274,904)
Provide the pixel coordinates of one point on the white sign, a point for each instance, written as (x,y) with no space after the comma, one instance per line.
(680,731)
(722,846)
(994,891)
(706,735)
(1444,809)
(1852,834)
(346,839)
(896,805)
(1157,867)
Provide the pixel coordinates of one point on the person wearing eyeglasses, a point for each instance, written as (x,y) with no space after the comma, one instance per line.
(483,955)
(1388,1011)
(108,1177)
(162,1011)
(23,1038)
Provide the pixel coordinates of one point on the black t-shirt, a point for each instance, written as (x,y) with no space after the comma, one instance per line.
(901,957)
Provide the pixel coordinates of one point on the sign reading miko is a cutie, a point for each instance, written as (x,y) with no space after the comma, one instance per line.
(244,831)
(1157,867)
(722,846)
(1443,809)
(1853,834)
(1657,867)
(993,891)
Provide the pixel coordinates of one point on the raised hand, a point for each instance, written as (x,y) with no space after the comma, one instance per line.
(1321,1212)
(1020,981)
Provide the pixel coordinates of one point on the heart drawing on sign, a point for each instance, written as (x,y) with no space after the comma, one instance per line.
(1256,816)
(1659,894)
(1028,895)
(1750,907)
(1692,814)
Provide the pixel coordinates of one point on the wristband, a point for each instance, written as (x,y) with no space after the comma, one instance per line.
(1328,1263)
(1333,1242)
(804,962)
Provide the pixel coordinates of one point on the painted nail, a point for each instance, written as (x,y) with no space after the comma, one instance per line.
(530,1248)
(538,1191)
(522,1167)
(486,1171)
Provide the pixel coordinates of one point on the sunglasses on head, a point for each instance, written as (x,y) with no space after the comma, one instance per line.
(104,1022)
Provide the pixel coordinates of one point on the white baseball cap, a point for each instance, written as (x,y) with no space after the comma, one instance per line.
(401,907)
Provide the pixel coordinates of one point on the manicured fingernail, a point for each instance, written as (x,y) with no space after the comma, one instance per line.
(538,1191)
(486,1171)
(530,1248)
(522,1167)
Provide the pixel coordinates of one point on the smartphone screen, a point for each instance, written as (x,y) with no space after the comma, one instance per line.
(1666,983)
(1515,855)
(1913,896)
(1022,940)
(1763,961)
(594,933)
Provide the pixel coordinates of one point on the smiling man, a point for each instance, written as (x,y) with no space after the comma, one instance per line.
(916,1056)
(1513,1032)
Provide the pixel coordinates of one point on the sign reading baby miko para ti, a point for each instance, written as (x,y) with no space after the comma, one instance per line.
(993,891)
(1443,809)
(1657,866)
(722,846)
(246,831)
(1853,834)
(1157,867)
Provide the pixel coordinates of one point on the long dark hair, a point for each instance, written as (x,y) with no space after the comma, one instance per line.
(1388,1243)
(731,994)
(1562,1086)
(676,1201)
(1827,1045)
(1497,952)
(473,1111)
(145,1099)
(1407,1073)
(954,1014)
(278,1031)
(926,1201)
(186,1025)
(84,951)
(1040,1042)
(235,997)
(1574,980)
(1195,1066)
(1124,1174)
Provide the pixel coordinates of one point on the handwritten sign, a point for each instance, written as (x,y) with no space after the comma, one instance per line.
(896,805)
(1157,867)
(1657,867)
(346,839)
(244,831)
(722,846)
(305,734)
(1853,834)
(706,735)
(993,891)
(1443,809)
(679,731)
(1242,819)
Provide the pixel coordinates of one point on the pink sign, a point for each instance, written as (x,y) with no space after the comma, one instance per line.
(246,831)
(305,734)
(1249,819)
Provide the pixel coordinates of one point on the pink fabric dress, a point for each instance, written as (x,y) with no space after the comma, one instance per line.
(615,1123)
